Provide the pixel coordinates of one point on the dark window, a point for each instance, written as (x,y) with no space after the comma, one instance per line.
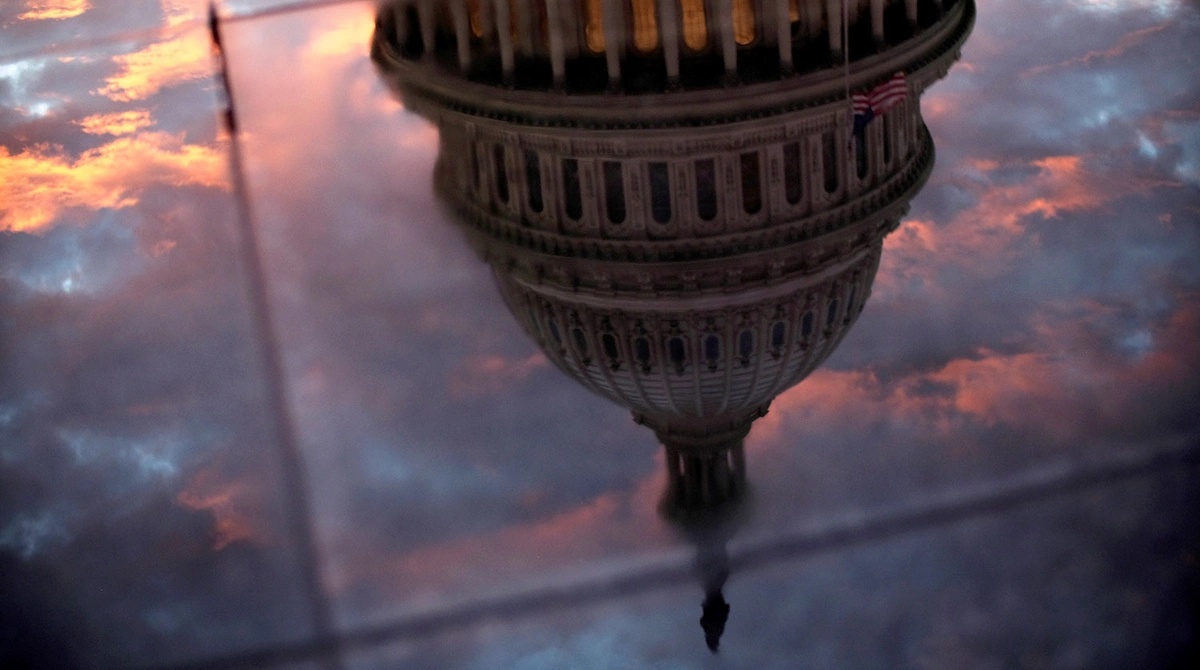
(675,350)
(706,189)
(660,192)
(793,188)
(574,204)
(860,152)
(832,312)
(850,301)
(614,191)
(610,345)
(829,161)
(533,319)
(777,334)
(554,332)
(745,344)
(641,350)
(887,138)
(806,324)
(533,179)
(501,175)
(474,165)
(580,341)
(751,189)
(712,348)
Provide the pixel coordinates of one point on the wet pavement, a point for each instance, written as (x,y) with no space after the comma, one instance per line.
(274,410)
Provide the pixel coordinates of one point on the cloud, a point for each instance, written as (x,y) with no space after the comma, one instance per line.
(143,73)
(226,501)
(486,375)
(1124,44)
(1002,200)
(116,123)
(40,183)
(38,10)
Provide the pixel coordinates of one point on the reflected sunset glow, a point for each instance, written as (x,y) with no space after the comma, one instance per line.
(41,182)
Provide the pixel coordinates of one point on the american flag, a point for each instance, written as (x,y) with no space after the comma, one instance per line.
(878,100)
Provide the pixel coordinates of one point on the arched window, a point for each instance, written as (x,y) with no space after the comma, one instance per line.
(829,160)
(475,17)
(609,342)
(474,165)
(833,305)
(580,343)
(706,189)
(645,25)
(712,350)
(641,350)
(676,352)
(554,331)
(501,174)
(614,191)
(778,334)
(660,192)
(574,203)
(414,42)
(746,343)
(793,187)
(744,30)
(806,325)
(695,24)
(533,179)
(751,188)
(594,29)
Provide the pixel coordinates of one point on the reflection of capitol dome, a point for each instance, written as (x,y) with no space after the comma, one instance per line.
(674,196)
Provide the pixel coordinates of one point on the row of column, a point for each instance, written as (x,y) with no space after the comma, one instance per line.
(672,198)
(618,27)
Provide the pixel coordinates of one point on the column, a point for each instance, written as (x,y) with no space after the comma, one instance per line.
(462,33)
(614,41)
(425,17)
(783,31)
(668,30)
(524,27)
(877,22)
(557,54)
(833,11)
(910,8)
(812,17)
(506,43)
(724,22)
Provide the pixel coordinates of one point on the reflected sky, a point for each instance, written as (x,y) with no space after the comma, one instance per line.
(1039,306)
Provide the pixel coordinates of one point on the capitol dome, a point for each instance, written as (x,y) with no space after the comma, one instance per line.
(679,201)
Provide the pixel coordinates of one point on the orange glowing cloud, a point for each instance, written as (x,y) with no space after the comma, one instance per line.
(992,227)
(226,501)
(349,34)
(37,10)
(146,72)
(40,183)
(1127,42)
(482,375)
(117,123)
